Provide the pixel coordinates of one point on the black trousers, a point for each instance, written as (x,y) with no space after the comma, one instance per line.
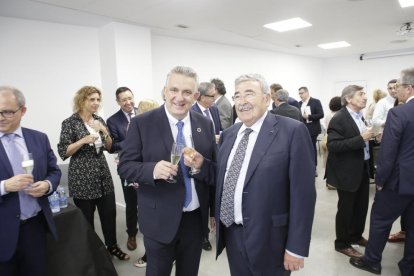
(388,206)
(314,138)
(238,259)
(30,256)
(352,213)
(185,249)
(107,215)
(131,210)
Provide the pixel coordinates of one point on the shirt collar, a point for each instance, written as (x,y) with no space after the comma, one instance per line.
(409,99)
(356,115)
(173,121)
(202,108)
(18,132)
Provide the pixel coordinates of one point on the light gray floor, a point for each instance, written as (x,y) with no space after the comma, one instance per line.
(323,259)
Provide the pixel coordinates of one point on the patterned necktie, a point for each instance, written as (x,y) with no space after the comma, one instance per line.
(129,120)
(207,113)
(28,204)
(187,181)
(229,186)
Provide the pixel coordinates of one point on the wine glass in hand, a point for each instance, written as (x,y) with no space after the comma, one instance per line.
(190,152)
(175,158)
(28,163)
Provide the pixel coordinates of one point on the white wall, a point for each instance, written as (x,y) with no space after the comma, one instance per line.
(49,62)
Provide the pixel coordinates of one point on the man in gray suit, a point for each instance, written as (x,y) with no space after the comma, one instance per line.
(223,104)
(283,108)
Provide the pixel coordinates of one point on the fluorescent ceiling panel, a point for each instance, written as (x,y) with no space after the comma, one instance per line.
(288,25)
(406,3)
(333,45)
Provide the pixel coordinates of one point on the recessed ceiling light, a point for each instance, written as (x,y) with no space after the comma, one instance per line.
(406,3)
(333,45)
(288,25)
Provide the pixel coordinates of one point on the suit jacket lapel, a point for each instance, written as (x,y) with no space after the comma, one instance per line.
(351,120)
(5,163)
(267,134)
(31,148)
(164,128)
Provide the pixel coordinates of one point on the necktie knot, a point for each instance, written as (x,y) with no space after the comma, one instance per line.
(247,131)
(180,125)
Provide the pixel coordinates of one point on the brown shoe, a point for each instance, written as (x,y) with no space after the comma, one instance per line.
(350,252)
(397,237)
(131,243)
(362,242)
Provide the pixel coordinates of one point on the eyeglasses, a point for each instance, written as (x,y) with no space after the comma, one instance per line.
(248,96)
(9,113)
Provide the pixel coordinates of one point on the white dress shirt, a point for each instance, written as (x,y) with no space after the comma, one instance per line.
(194,204)
(381,110)
(357,117)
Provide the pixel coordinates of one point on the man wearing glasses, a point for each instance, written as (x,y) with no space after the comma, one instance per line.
(394,180)
(24,210)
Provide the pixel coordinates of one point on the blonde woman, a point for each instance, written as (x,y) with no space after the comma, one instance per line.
(377,95)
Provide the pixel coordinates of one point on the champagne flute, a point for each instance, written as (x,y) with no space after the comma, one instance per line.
(27,164)
(190,151)
(175,158)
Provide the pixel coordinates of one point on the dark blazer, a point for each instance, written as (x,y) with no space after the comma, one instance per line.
(215,115)
(314,126)
(395,166)
(160,203)
(279,191)
(117,125)
(45,168)
(345,164)
(287,110)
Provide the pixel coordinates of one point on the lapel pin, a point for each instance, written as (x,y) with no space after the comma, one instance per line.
(198,129)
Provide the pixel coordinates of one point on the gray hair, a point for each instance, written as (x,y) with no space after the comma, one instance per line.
(407,76)
(204,87)
(282,95)
(254,77)
(20,99)
(349,92)
(185,71)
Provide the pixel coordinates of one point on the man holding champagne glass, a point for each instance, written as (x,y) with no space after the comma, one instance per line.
(172,216)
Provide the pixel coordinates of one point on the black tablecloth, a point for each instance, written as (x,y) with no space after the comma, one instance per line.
(78,250)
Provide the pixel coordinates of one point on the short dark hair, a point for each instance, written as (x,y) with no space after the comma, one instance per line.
(304,88)
(335,104)
(121,90)
(219,86)
(275,87)
(392,81)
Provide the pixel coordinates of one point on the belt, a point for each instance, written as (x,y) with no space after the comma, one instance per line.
(25,221)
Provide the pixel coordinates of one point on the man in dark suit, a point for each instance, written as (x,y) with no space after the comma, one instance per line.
(394,180)
(312,113)
(24,210)
(205,105)
(172,216)
(283,108)
(347,169)
(275,87)
(118,126)
(223,104)
(265,187)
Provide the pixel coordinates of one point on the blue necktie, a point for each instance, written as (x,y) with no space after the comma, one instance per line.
(28,204)
(187,181)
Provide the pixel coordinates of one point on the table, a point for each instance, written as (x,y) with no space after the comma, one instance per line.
(78,251)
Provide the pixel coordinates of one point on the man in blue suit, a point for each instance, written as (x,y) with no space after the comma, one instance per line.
(266,195)
(172,216)
(118,126)
(394,180)
(205,105)
(24,210)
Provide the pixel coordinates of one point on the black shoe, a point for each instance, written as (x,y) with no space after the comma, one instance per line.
(361,264)
(206,245)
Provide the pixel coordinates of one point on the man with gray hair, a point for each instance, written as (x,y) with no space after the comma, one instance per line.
(282,108)
(173,205)
(264,215)
(347,169)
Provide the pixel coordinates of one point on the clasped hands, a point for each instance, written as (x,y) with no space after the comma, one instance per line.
(164,169)
(22,181)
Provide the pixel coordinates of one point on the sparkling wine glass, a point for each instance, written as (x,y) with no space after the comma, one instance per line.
(175,158)
(190,151)
(27,164)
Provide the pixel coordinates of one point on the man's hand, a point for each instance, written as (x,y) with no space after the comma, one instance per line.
(38,189)
(305,115)
(367,135)
(212,224)
(293,263)
(18,182)
(164,169)
(192,158)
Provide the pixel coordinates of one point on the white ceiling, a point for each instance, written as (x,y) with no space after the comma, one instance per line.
(368,25)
